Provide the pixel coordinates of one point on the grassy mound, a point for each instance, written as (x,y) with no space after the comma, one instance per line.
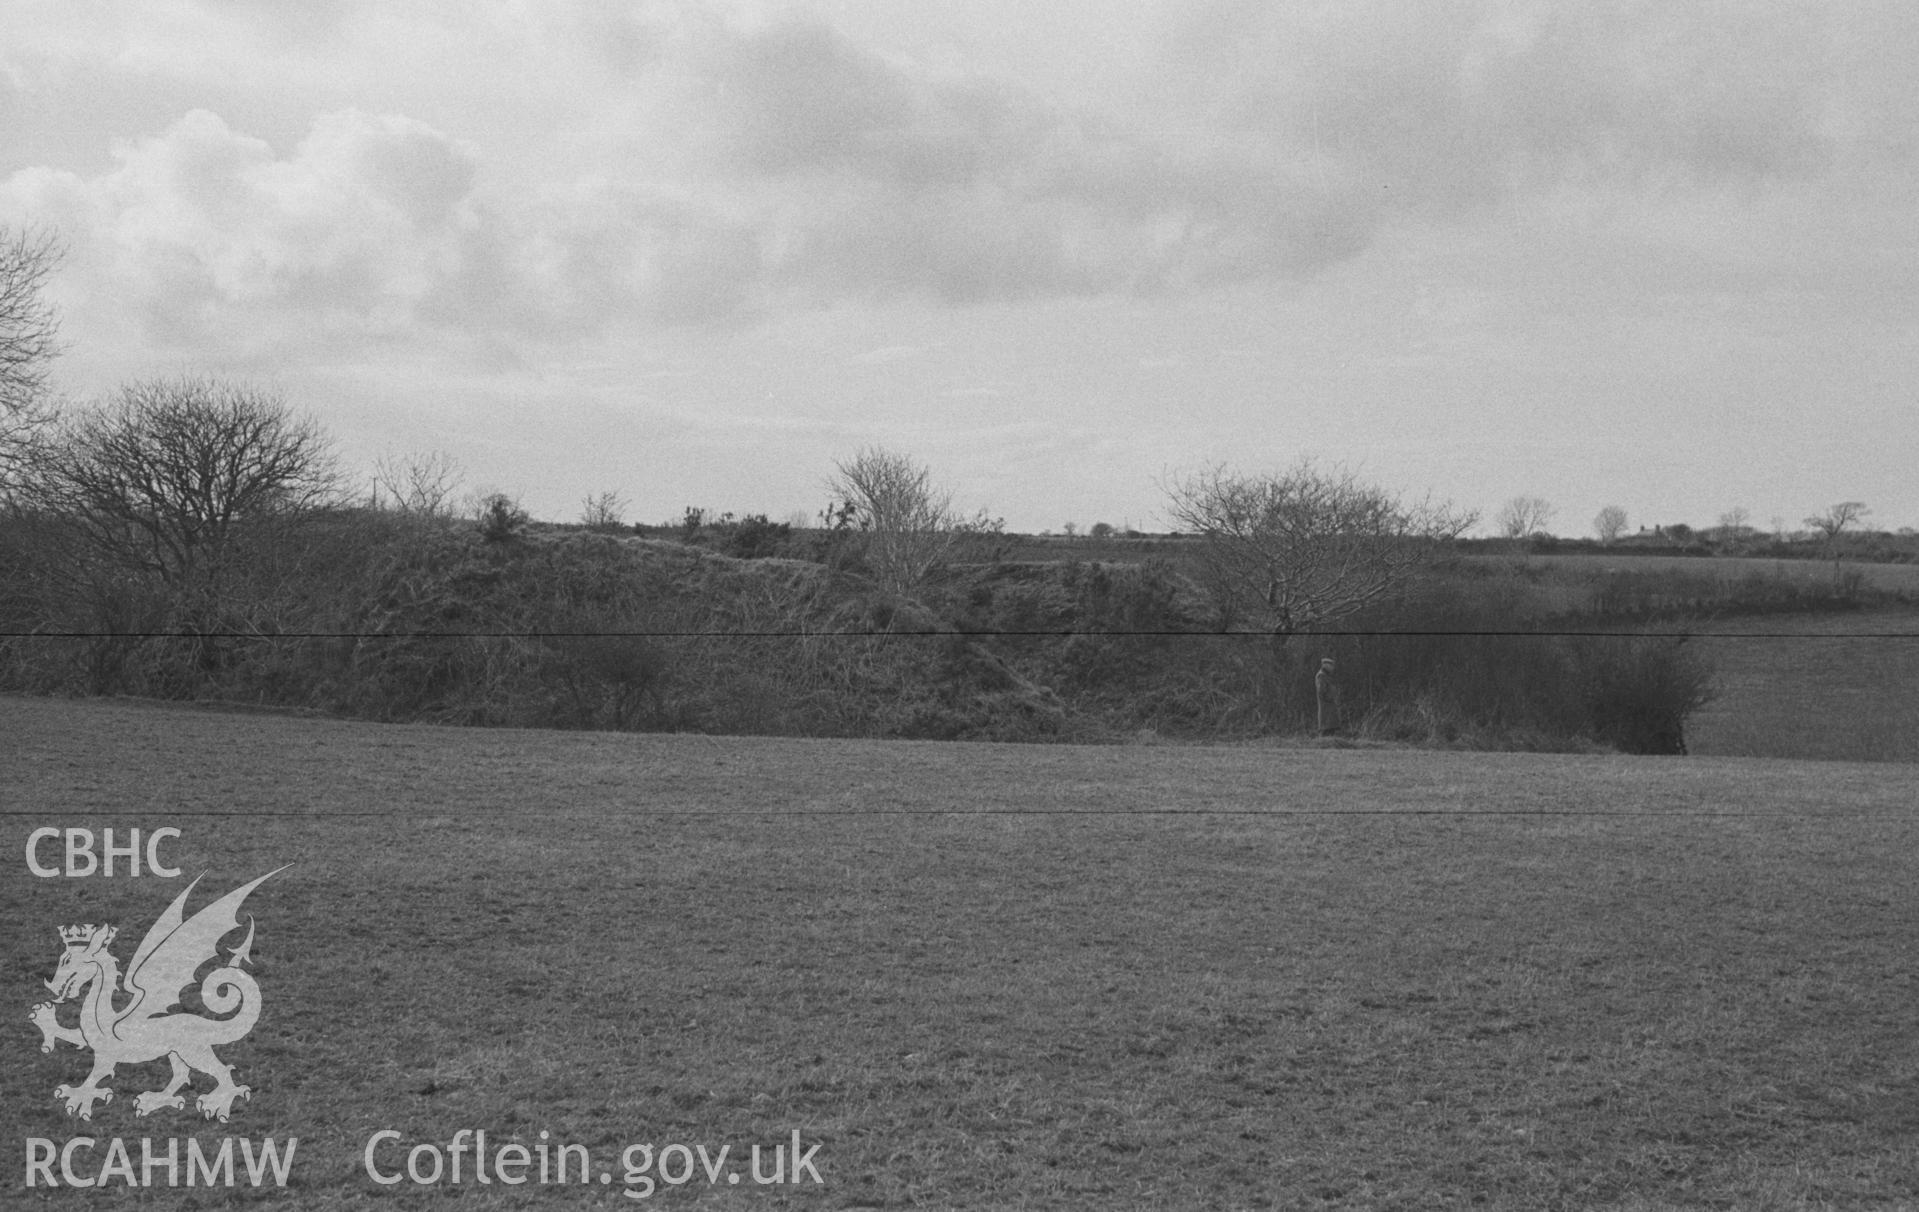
(384,617)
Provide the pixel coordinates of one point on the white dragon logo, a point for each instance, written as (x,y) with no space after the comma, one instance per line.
(163,967)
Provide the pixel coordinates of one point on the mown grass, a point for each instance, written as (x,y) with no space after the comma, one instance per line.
(1008,976)
(1842,686)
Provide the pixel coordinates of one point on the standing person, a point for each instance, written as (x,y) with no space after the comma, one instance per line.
(1327,693)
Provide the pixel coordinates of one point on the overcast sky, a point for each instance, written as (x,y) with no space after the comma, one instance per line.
(1663,255)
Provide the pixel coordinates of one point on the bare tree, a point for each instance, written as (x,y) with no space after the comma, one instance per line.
(422,485)
(1735,523)
(1610,523)
(1835,521)
(1523,517)
(28,342)
(605,511)
(159,478)
(1306,547)
(1832,525)
(908,526)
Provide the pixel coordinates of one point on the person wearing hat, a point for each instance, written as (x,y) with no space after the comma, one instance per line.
(1327,693)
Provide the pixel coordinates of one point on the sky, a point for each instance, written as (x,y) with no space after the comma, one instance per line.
(1659,254)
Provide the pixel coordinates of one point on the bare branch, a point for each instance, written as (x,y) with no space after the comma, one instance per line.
(28,323)
(158,478)
(1523,517)
(419,484)
(1610,523)
(1832,526)
(908,526)
(28,345)
(1306,547)
(1837,519)
(605,511)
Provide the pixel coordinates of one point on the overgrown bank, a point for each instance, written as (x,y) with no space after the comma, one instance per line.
(386,616)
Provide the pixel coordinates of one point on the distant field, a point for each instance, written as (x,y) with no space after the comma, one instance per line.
(984,976)
(1888,578)
(1840,686)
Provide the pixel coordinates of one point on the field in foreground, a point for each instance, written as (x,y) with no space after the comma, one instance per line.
(1013,976)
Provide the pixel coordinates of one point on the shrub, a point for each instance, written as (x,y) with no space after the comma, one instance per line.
(608,681)
(500,517)
(1639,690)
(604,513)
(755,537)
(907,527)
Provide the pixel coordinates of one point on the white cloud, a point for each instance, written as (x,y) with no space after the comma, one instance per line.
(204,230)
(710,172)
(1449,104)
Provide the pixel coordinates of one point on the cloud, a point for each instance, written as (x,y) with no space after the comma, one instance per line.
(571,262)
(1450,105)
(200,225)
(874,179)
(371,227)
(736,171)
(566,171)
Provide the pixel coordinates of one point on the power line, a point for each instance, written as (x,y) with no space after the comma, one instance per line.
(1037,633)
(777,813)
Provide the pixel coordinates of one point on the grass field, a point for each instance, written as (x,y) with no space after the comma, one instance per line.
(1880,577)
(1843,685)
(982,976)
(1885,578)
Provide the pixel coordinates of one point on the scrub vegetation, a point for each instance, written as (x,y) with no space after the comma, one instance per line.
(256,583)
(386,615)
